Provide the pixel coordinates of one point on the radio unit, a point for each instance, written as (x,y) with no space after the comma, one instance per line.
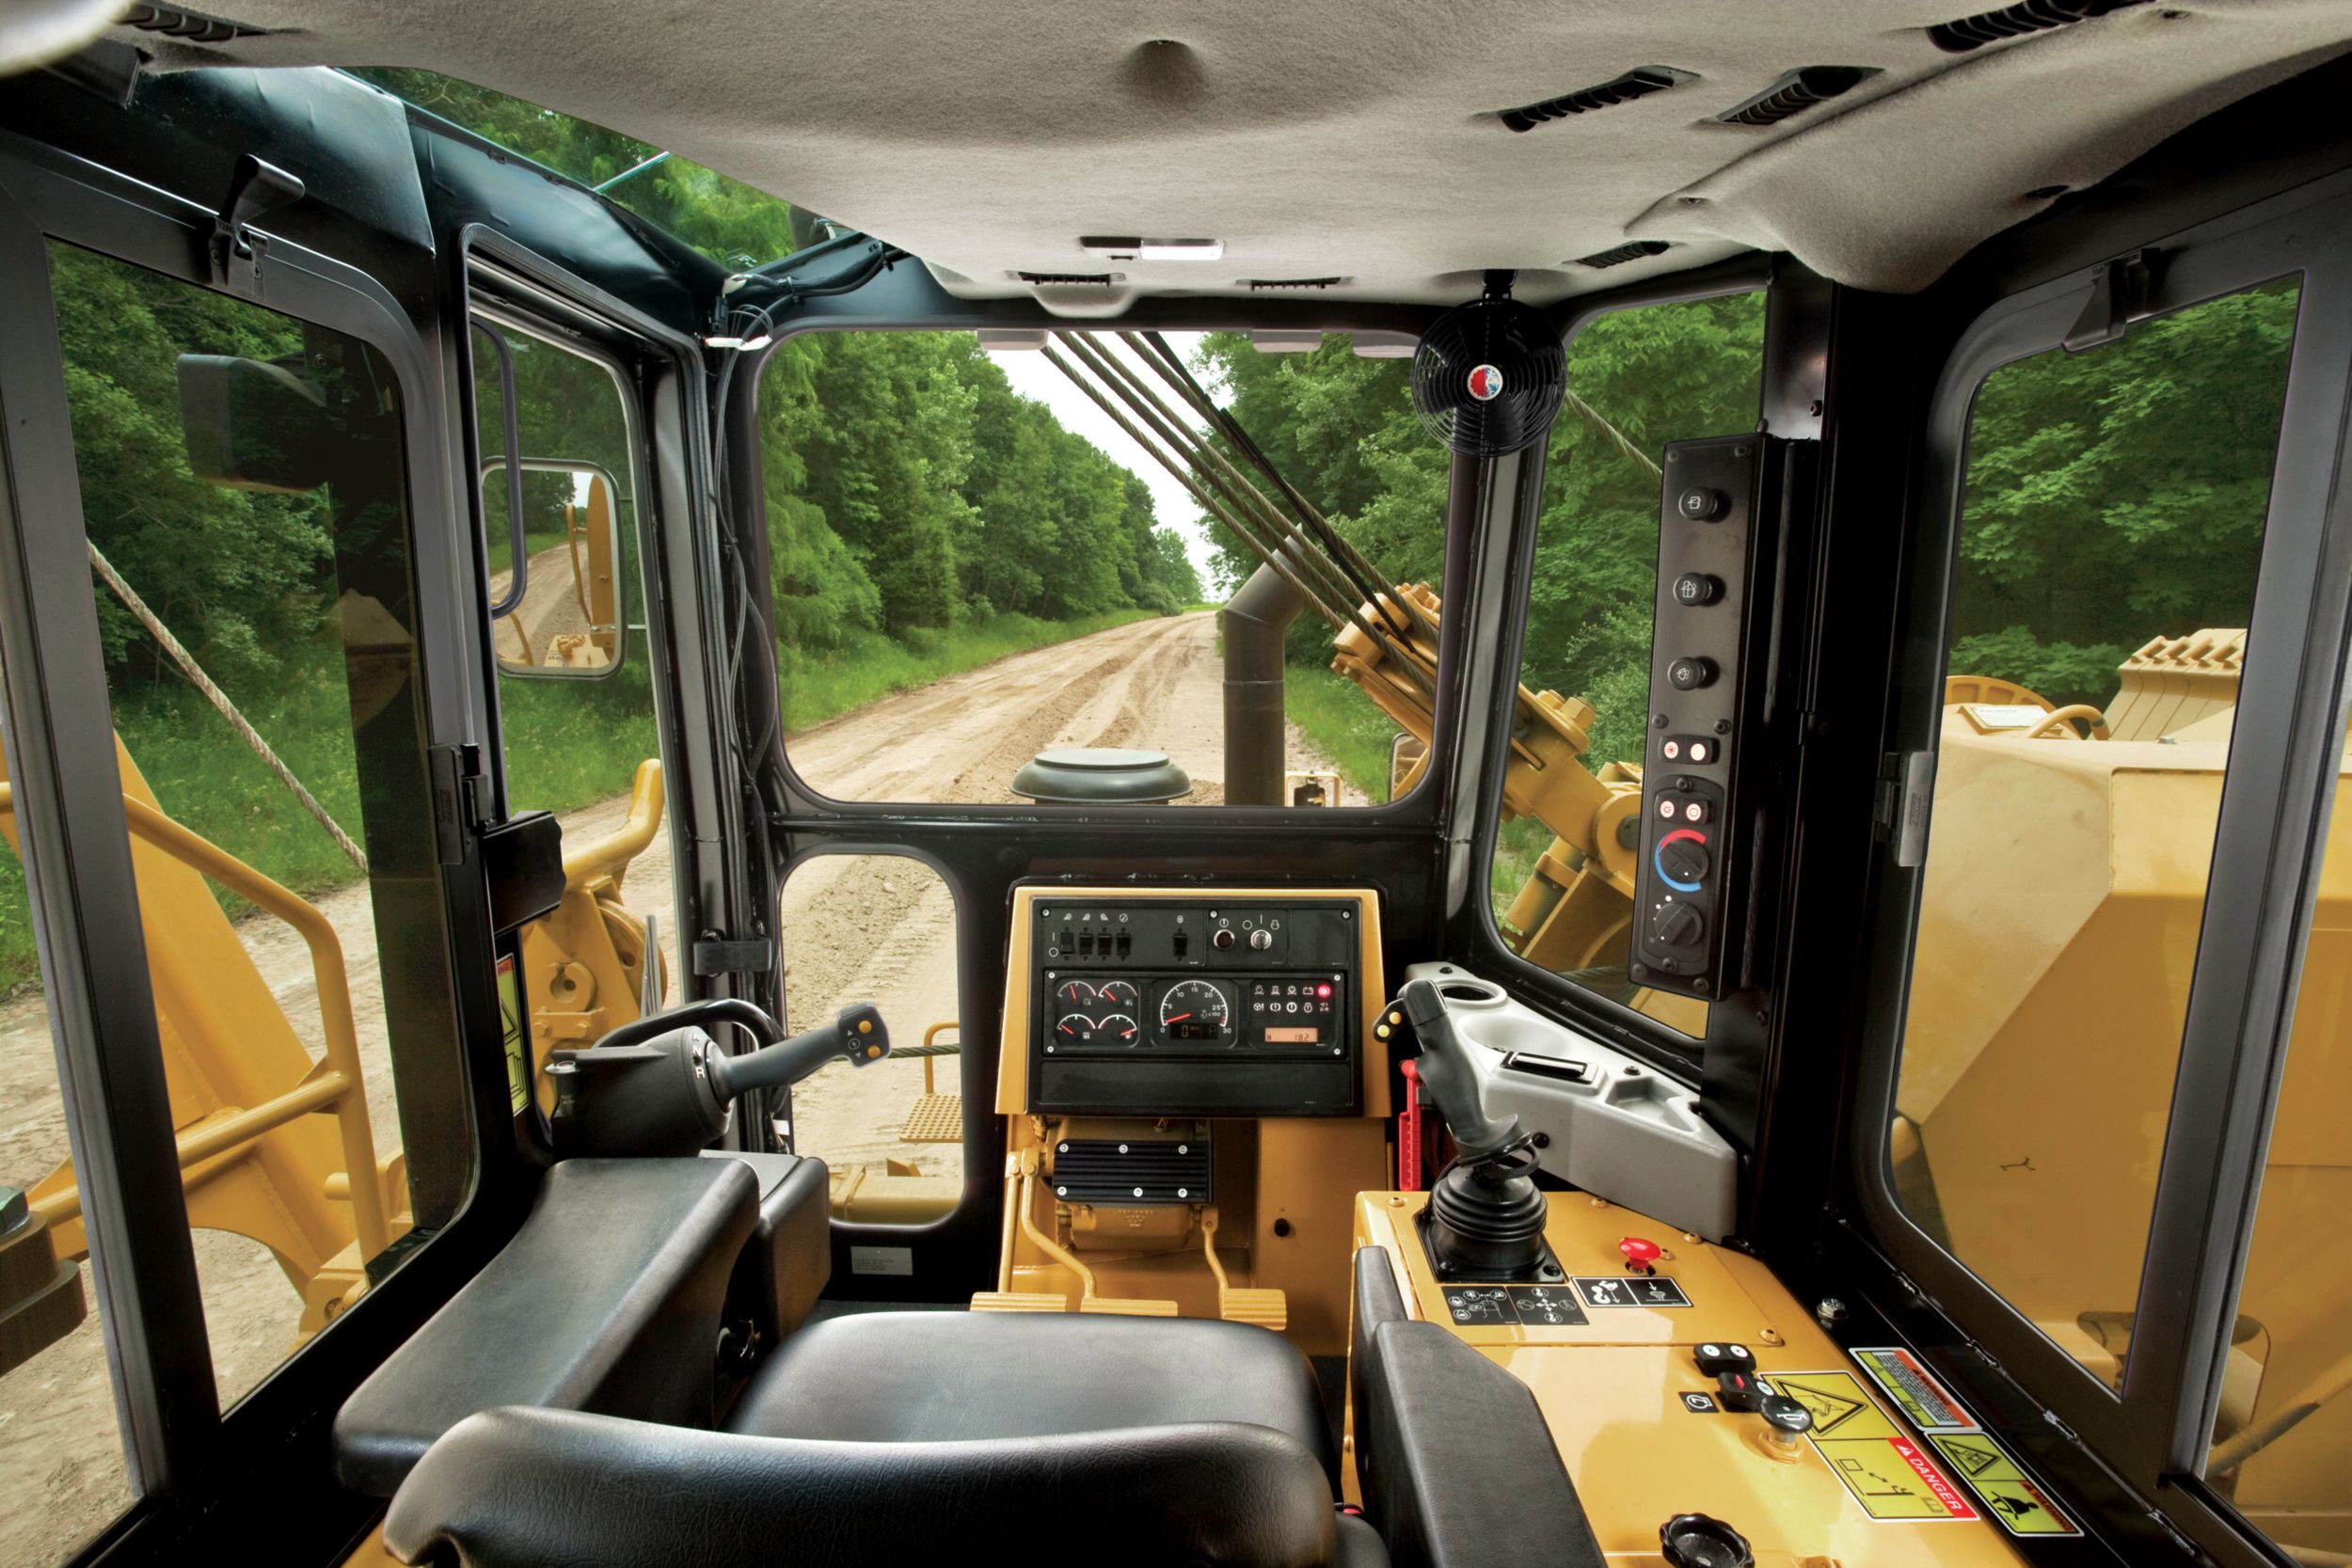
(1170,1007)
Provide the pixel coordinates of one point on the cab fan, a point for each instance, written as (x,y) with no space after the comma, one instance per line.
(1489,377)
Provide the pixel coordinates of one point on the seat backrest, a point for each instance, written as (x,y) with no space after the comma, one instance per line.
(532,1486)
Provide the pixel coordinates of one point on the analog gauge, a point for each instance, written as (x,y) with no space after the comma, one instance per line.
(1193,1010)
(1118,1028)
(1120,994)
(1077,993)
(1074,1029)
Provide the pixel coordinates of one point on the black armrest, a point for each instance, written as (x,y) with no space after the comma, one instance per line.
(527,1488)
(607,1299)
(1456,1463)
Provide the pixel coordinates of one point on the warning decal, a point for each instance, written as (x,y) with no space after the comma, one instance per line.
(1926,1404)
(1893,1481)
(511,1024)
(2022,1507)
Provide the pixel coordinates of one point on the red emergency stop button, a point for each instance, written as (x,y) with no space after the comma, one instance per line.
(1640,1252)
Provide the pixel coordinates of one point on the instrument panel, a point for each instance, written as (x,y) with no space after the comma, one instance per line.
(1208,1004)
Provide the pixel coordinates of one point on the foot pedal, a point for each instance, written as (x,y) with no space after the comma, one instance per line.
(1266,1307)
(1127,1306)
(1019,1300)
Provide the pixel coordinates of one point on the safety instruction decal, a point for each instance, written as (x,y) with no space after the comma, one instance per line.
(1887,1473)
(2022,1507)
(2020,1503)
(1503,1305)
(1925,1402)
(511,1023)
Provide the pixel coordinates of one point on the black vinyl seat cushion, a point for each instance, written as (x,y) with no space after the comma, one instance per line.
(916,1377)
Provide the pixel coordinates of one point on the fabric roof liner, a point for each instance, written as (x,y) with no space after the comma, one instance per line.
(1345,138)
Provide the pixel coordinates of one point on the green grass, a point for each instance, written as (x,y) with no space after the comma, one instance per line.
(1333,713)
(824,683)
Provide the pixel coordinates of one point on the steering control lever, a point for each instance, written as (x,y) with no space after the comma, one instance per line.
(1485,1219)
(661,1086)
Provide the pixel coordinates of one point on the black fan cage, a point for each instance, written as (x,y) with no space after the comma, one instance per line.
(1501,347)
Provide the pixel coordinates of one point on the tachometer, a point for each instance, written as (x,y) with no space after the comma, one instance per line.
(1194,1010)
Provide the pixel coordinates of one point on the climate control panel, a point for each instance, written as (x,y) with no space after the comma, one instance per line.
(1203,1008)
(1718,521)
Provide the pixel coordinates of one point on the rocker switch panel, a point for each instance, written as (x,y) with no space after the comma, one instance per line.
(1718,520)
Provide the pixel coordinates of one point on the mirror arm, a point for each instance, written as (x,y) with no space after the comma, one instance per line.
(517,545)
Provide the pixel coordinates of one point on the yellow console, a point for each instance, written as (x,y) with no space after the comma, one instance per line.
(1891,1473)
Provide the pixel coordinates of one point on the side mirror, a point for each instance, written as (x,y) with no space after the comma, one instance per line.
(561,586)
(253,425)
(1408,756)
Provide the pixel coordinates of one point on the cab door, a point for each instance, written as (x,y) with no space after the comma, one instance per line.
(246,1155)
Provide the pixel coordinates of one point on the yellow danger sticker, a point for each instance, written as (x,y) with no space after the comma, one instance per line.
(1888,1475)
(511,1022)
(2023,1507)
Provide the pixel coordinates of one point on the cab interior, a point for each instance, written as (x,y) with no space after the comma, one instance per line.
(1328,784)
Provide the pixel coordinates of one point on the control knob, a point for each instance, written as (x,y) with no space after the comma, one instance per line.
(1691,672)
(1682,857)
(1261,939)
(1786,1421)
(1223,938)
(1676,926)
(1695,1540)
(1693,589)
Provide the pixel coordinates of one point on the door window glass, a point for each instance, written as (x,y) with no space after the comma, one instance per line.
(973,563)
(576,703)
(245,502)
(2282,1441)
(2112,527)
(1563,872)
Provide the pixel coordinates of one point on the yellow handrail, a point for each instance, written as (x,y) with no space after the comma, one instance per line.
(337,1086)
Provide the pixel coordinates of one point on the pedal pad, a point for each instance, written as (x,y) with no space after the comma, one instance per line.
(1267,1308)
(1019,1300)
(1127,1306)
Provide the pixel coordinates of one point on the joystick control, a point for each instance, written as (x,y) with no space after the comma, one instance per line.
(1486,1215)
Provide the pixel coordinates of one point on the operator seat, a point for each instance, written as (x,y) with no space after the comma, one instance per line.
(867,1440)
(905,1377)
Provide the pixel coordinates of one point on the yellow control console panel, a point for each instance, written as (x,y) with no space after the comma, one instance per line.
(1639,1375)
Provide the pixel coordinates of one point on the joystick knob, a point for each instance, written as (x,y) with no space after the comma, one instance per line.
(1786,1421)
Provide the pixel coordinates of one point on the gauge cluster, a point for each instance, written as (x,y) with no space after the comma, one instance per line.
(1170,1007)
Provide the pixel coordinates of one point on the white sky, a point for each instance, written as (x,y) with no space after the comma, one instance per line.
(1032,378)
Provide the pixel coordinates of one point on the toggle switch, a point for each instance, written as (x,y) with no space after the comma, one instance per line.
(1715,1358)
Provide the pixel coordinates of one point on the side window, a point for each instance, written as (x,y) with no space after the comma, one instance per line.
(979,547)
(245,502)
(2112,526)
(2283,1435)
(1637,379)
(576,702)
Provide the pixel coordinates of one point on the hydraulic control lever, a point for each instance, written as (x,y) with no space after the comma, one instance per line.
(1485,1219)
(1445,1067)
(661,1086)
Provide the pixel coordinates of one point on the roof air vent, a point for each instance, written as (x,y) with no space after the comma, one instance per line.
(1260,284)
(1043,280)
(1795,92)
(1632,250)
(188,27)
(1963,34)
(1638,83)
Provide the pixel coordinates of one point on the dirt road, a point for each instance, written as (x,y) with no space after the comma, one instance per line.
(878,928)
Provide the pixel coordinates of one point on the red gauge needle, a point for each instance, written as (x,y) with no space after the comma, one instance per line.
(1126,1034)
(1066,1029)
(1178,1018)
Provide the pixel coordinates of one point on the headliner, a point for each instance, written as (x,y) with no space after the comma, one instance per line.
(1354,139)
